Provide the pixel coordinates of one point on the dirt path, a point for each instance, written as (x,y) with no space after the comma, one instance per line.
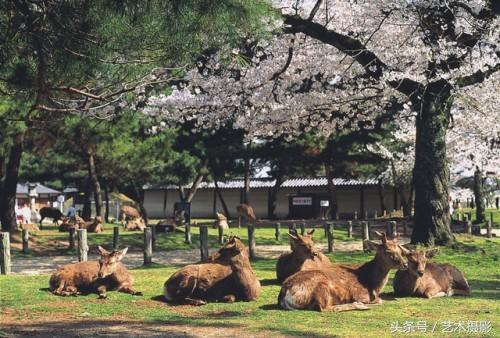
(47,264)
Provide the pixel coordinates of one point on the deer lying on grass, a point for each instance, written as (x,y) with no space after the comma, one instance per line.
(135,224)
(342,287)
(429,280)
(94,276)
(304,256)
(94,226)
(227,277)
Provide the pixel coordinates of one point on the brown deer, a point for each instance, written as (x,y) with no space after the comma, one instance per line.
(221,221)
(135,224)
(304,256)
(127,212)
(94,226)
(342,287)
(228,276)
(427,279)
(246,211)
(94,276)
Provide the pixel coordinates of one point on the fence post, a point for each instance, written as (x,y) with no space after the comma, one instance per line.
(116,233)
(405,228)
(187,233)
(148,246)
(251,240)
(375,214)
(337,215)
(26,240)
(489,229)
(491,218)
(221,234)
(330,237)
(469,228)
(277,231)
(71,238)
(366,230)
(366,214)
(302,228)
(83,248)
(349,229)
(355,215)
(5,253)
(203,242)
(153,237)
(391,230)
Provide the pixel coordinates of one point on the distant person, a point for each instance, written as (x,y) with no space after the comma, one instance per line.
(71,211)
(26,213)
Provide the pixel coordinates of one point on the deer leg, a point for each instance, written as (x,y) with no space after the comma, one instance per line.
(129,290)
(193,301)
(101,290)
(229,298)
(376,301)
(350,307)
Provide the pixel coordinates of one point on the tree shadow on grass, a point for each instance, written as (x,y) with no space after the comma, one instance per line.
(485,289)
(270,307)
(269,281)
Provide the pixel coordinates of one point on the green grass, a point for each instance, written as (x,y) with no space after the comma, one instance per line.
(487,213)
(169,241)
(24,298)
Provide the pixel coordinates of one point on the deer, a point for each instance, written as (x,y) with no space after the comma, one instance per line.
(429,280)
(221,221)
(94,226)
(135,224)
(108,273)
(226,277)
(343,287)
(304,256)
(246,211)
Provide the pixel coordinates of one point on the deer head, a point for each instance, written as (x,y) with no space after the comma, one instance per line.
(389,252)
(232,251)
(108,261)
(417,260)
(303,246)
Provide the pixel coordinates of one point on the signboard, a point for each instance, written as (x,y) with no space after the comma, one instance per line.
(302,201)
(182,210)
(324,203)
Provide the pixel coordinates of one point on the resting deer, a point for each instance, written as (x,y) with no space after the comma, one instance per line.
(427,279)
(94,276)
(342,287)
(304,256)
(227,277)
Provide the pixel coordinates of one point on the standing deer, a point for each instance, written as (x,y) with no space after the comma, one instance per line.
(228,277)
(427,279)
(94,276)
(246,211)
(304,256)
(342,287)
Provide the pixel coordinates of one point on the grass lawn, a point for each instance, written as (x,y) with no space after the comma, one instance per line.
(24,300)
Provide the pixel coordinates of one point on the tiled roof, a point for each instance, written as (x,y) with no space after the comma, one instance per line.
(22,189)
(267,183)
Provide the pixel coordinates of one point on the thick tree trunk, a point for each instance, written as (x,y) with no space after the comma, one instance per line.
(8,196)
(139,197)
(96,187)
(479,196)
(431,173)
(273,198)
(332,196)
(87,204)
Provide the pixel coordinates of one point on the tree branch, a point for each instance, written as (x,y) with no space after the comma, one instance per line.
(477,77)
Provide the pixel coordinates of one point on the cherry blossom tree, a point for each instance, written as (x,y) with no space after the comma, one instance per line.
(340,63)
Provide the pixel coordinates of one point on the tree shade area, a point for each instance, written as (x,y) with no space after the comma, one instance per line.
(360,120)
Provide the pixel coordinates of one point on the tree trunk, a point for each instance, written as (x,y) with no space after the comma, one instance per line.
(8,197)
(96,187)
(431,173)
(380,186)
(87,204)
(106,197)
(139,197)
(194,187)
(478,195)
(221,198)
(246,188)
(332,196)
(273,198)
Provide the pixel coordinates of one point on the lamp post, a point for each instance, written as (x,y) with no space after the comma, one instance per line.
(33,194)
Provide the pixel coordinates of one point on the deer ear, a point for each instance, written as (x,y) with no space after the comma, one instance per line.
(371,246)
(382,235)
(311,232)
(295,238)
(120,254)
(102,251)
(431,253)
(404,250)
